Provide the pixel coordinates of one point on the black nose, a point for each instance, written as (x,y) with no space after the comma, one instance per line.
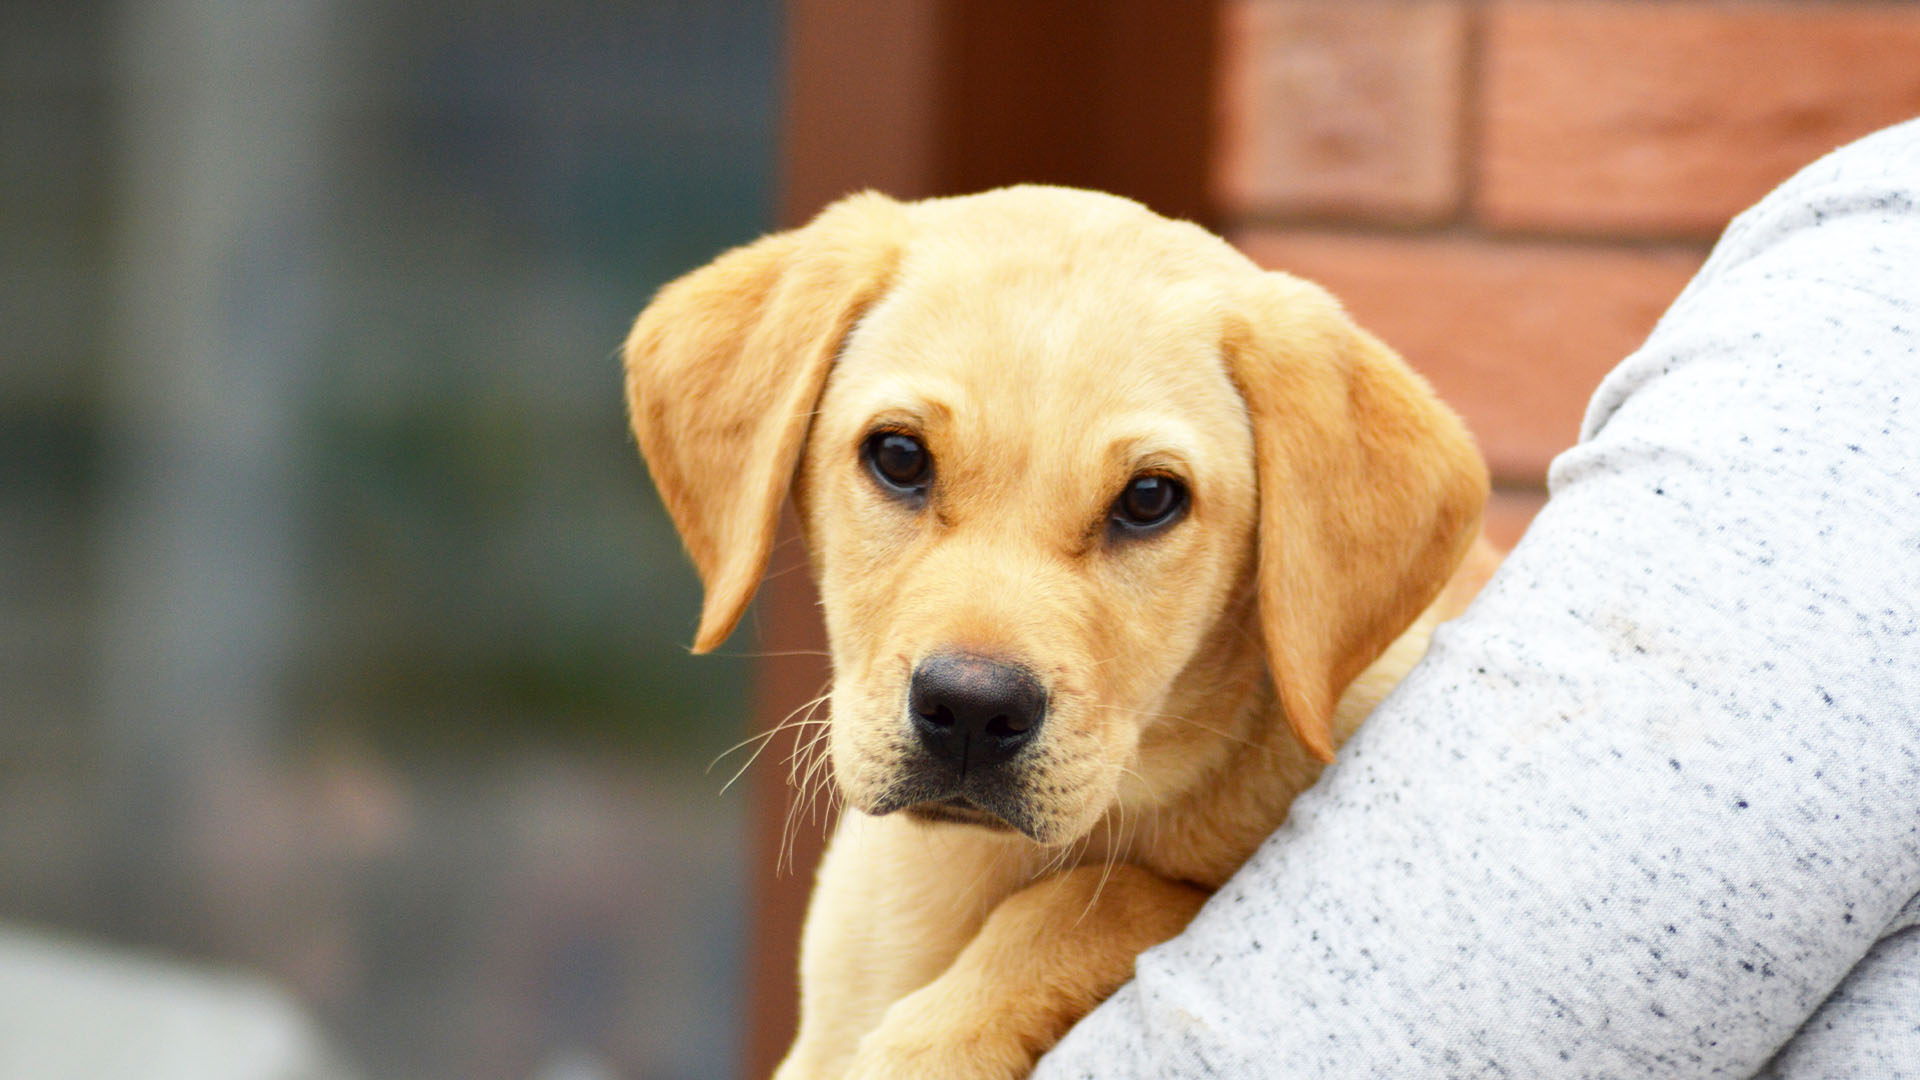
(971,712)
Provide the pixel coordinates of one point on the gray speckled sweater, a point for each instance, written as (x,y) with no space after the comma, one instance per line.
(1651,807)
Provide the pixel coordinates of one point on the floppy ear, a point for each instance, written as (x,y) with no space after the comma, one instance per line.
(1370,493)
(724,369)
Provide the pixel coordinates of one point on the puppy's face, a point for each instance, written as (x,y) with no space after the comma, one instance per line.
(1068,471)
(1029,491)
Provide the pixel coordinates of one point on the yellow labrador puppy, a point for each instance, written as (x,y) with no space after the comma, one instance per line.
(1117,537)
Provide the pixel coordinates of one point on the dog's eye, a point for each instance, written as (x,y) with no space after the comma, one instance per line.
(1150,501)
(900,462)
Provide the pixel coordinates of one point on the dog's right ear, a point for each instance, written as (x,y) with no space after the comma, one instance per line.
(724,369)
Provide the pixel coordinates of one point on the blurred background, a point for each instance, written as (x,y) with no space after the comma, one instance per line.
(342,639)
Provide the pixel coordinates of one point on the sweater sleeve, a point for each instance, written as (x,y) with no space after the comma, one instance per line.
(1646,806)
(1871,1024)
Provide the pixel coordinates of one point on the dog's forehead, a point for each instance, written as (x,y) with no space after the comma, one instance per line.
(1037,313)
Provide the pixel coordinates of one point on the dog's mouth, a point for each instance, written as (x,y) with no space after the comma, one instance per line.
(959,810)
(939,800)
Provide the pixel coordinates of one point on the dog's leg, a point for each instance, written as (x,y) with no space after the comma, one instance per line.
(894,903)
(1045,957)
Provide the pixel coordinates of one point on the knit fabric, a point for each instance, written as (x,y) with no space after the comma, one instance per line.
(1652,806)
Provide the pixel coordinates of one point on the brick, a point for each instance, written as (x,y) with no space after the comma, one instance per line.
(1509,513)
(1515,335)
(1349,108)
(1618,116)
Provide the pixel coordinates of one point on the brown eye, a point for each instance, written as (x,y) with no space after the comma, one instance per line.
(1150,501)
(899,462)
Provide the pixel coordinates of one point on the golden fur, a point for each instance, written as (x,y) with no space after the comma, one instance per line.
(1046,346)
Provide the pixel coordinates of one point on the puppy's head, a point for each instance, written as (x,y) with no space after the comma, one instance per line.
(1065,467)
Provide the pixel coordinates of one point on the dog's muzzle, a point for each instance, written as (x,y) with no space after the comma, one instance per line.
(971,717)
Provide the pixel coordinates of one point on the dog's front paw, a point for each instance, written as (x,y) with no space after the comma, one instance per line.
(943,1059)
(920,1039)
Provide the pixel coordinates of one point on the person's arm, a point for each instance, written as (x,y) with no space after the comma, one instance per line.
(1870,1026)
(1651,800)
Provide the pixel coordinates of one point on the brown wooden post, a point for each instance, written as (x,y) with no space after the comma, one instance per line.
(931,97)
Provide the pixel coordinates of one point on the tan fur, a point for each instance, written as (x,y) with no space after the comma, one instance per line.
(1047,345)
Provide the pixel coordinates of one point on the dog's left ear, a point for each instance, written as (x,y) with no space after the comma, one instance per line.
(724,369)
(1370,493)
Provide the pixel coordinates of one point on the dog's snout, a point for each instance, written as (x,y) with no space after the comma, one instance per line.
(972,712)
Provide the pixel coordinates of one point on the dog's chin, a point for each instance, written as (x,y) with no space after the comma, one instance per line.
(981,808)
(959,810)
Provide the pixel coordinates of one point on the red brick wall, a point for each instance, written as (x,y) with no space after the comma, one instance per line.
(1511,191)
